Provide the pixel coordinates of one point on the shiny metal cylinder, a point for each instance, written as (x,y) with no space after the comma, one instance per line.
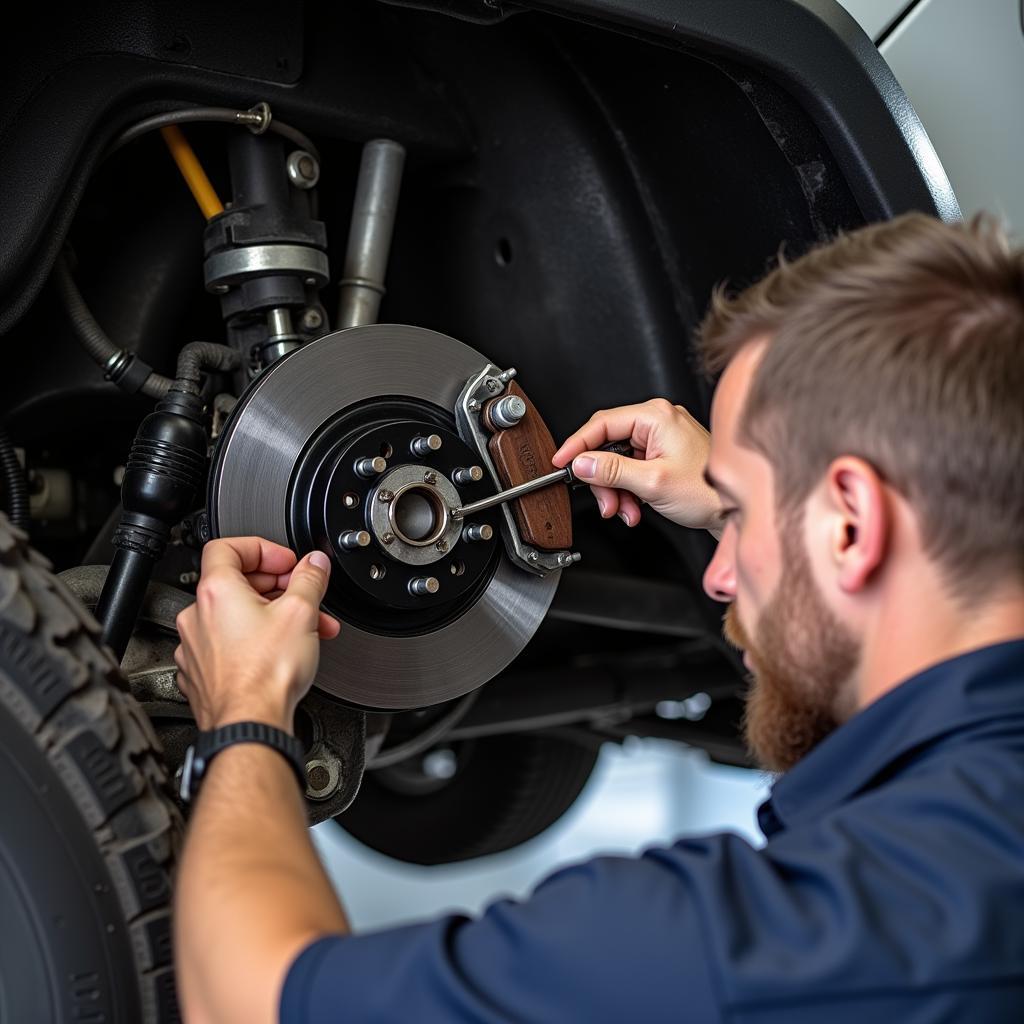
(369,239)
(369,468)
(468,475)
(421,586)
(478,531)
(350,540)
(508,411)
(424,446)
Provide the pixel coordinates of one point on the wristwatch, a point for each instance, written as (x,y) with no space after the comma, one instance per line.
(210,743)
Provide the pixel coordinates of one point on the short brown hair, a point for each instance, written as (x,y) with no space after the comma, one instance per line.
(902,343)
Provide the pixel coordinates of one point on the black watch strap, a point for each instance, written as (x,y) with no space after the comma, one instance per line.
(210,743)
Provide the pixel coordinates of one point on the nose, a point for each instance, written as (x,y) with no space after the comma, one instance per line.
(720,575)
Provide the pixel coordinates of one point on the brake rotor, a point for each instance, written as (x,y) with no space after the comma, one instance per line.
(291,466)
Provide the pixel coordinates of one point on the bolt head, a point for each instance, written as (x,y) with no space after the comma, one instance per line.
(312,319)
(388,538)
(442,546)
(532,556)
(474,405)
(430,477)
(385,496)
(492,385)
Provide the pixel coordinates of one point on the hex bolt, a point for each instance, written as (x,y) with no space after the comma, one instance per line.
(508,411)
(430,477)
(369,468)
(312,320)
(385,496)
(303,170)
(422,586)
(533,557)
(493,385)
(387,538)
(478,531)
(468,475)
(473,405)
(424,446)
(442,546)
(350,540)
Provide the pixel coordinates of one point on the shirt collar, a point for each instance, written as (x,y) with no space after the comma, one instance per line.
(978,686)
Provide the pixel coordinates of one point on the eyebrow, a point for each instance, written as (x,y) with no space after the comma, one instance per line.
(715,484)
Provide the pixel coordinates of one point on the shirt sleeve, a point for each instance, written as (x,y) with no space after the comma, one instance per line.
(610,940)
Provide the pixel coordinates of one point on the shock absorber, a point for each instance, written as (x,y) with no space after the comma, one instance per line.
(266,256)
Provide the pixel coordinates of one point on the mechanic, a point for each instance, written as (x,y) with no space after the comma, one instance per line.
(864,472)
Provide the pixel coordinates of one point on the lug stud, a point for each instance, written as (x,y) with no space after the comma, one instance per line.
(369,468)
(421,447)
(350,540)
(422,586)
(468,475)
(478,531)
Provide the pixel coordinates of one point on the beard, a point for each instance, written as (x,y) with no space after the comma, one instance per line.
(803,659)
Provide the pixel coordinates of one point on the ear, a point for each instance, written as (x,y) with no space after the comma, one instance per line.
(863,521)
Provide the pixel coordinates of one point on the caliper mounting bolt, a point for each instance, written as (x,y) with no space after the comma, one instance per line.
(508,411)
(468,475)
(422,586)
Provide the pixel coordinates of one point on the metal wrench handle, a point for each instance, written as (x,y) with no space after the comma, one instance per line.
(559,476)
(563,476)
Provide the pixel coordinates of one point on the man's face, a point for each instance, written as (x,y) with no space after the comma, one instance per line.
(802,658)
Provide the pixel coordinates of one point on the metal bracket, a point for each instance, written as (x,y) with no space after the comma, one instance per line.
(482,387)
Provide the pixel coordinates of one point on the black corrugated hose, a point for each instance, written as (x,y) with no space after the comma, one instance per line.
(14,483)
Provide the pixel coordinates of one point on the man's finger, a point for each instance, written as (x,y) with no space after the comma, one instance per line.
(246,555)
(309,579)
(629,422)
(607,470)
(328,627)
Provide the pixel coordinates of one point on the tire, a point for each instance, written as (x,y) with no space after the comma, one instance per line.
(88,828)
(506,790)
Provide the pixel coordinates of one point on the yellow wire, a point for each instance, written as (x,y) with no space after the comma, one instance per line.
(192,171)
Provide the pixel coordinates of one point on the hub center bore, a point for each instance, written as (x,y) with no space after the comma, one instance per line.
(419,515)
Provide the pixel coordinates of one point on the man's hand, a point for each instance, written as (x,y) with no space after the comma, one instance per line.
(667,474)
(250,644)
(251,891)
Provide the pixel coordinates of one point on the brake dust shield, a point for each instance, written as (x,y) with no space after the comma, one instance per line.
(271,477)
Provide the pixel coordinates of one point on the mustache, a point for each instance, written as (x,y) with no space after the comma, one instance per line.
(733,631)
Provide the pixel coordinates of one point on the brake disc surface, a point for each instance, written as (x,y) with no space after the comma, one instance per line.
(275,423)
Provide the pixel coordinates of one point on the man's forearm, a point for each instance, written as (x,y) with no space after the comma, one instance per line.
(251,891)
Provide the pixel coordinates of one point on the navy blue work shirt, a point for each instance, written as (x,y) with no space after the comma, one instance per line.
(891,888)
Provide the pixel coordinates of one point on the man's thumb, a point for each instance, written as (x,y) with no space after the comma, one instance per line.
(606,469)
(309,578)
